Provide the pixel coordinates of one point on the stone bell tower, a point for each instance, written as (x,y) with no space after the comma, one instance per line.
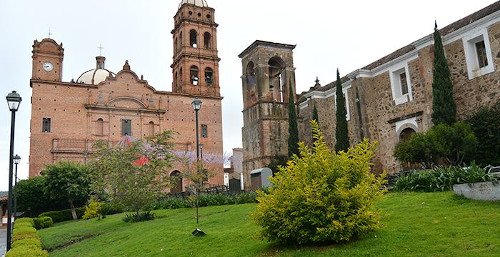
(268,73)
(195,64)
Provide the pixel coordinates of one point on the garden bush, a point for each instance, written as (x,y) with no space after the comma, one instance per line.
(139,216)
(442,144)
(173,202)
(440,178)
(64,215)
(321,197)
(25,251)
(42,222)
(109,208)
(486,126)
(25,240)
(93,209)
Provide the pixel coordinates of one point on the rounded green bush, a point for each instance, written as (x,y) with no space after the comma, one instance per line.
(23,222)
(25,251)
(29,242)
(322,196)
(42,222)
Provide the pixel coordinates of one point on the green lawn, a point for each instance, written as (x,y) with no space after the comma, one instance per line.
(414,224)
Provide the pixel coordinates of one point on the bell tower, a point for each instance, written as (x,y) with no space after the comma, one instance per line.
(195,64)
(47,60)
(268,75)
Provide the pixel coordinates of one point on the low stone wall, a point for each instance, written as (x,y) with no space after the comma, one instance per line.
(487,191)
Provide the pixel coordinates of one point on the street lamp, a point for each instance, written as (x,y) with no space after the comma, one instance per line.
(17,159)
(197,106)
(13,100)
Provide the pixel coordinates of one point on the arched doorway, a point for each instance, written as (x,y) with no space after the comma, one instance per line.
(177,188)
(406,134)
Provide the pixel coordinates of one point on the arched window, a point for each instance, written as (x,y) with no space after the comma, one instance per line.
(177,180)
(175,45)
(175,82)
(180,76)
(276,83)
(181,40)
(207,40)
(151,128)
(250,74)
(209,76)
(193,74)
(193,38)
(100,127)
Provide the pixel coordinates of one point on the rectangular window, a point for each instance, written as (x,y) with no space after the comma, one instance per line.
(400,84)
(403,83)
(482,59)
(204,131)
(126,127)
(46,125)
(478,54)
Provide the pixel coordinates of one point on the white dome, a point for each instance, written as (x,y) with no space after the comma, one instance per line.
(200,3)
(94,76)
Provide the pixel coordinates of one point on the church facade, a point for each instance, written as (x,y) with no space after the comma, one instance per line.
(386,100)
(67,117)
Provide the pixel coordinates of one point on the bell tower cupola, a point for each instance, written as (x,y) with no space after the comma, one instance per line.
(195,64)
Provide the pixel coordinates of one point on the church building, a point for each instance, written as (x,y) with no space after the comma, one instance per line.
(67,117)
(386,101)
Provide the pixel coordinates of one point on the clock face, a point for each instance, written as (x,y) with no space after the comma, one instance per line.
(47,66)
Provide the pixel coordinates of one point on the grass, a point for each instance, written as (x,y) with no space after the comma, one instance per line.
(414,224)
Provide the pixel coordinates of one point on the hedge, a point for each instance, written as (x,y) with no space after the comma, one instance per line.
(25,240)
(64,215)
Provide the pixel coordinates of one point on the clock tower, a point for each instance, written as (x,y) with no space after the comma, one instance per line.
(47,60)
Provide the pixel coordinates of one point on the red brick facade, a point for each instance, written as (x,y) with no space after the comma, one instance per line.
(81,112)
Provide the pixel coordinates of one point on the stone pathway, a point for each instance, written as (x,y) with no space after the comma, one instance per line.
(3,241)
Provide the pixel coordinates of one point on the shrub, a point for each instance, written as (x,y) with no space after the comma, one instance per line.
(23,222)
(25,240)
(43,222)
(24,251)
(172,202)
(139,216)
(486,126)
(29,242)
(322,196)
(64,215)
(108,208)
(92,210)
(441,178)
(443,143)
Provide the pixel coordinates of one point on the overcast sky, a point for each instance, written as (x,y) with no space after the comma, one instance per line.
(329,35)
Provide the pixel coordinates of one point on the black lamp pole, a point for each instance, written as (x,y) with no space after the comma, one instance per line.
(197,106)
(13,100)
(17,159)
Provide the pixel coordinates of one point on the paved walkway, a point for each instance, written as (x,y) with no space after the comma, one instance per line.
(3,241)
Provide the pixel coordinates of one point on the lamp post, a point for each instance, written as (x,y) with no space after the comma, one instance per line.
(17,159)
(197,106)
(13,100)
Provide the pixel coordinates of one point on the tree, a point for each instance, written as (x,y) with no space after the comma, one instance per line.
(68,181)
(133,174)
(341,130)
(315,117)
(443,103)
(293,131)
(321,196)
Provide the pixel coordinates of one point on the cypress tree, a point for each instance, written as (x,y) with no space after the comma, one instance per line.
(293,131)
(316,118)
(443,103)
(315,114)
(341,131)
